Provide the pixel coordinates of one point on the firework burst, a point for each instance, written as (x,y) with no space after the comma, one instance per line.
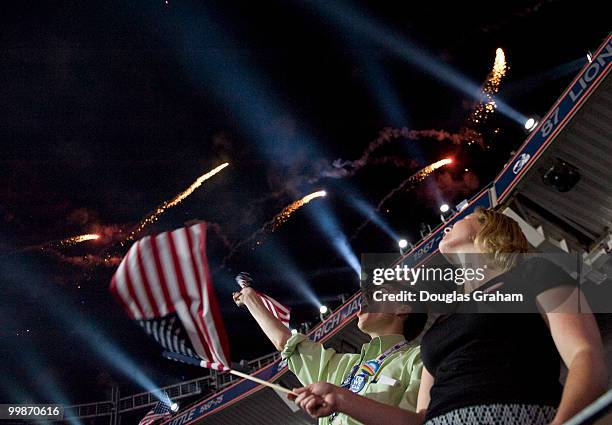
(154,216)
(288,211)
(77,239)
(415,178)
(424,172)
(60,243)
(491,86)
(273,224)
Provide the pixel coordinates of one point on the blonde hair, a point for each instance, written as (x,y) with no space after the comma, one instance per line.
(501,237)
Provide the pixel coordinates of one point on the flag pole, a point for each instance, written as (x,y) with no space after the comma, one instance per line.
(262,382)
(190,360)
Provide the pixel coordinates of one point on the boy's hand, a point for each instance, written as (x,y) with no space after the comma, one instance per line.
(319,399)
(243,295)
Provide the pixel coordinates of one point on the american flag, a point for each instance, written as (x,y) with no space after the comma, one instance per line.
(159,412)
(278,310)
(164,284)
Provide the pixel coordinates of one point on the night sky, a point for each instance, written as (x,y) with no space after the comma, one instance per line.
(107,109)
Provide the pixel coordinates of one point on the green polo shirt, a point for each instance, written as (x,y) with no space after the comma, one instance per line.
(311,362)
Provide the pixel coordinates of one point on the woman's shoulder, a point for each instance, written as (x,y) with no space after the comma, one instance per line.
(542,271)
(537,263)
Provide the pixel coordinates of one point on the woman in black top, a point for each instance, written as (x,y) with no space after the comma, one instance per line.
(494,368)
(496,365)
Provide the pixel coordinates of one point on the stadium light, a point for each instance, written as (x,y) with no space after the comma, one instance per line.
(531,124)
(323,310)
(174,406)
(402,243)
(446,212)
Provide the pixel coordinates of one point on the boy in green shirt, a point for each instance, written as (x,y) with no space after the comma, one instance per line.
(387,369)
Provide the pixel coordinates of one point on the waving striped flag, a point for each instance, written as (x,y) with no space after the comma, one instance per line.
(164,284)
(278,310)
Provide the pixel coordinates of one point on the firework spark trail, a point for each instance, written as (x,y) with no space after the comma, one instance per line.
(284,215)
(154,216)
(491,86)
(415,178)
(273,224)
(343,168)
(77,239)
(181,196)
(59,243)
(465,135)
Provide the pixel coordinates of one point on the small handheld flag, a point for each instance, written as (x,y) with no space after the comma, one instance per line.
(277,309)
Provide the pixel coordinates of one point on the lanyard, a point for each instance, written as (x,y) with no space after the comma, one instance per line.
(371,367)
(368,368)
